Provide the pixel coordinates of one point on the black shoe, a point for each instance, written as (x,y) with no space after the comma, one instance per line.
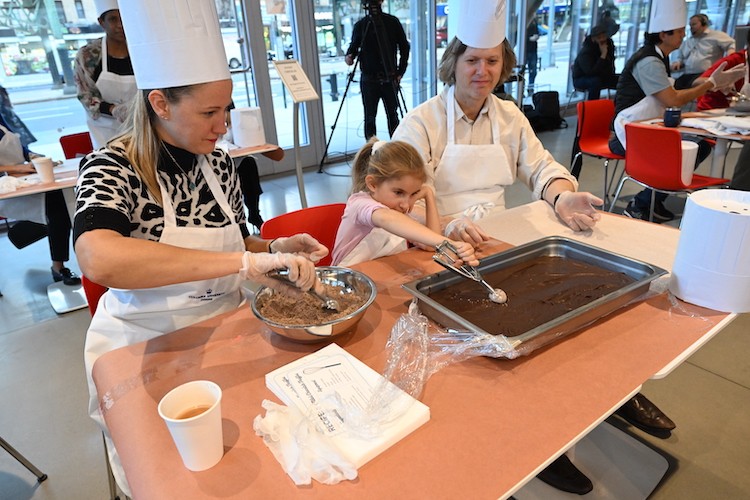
(635,212)
(661,214)
(564,476)
(67,276)
(645,415)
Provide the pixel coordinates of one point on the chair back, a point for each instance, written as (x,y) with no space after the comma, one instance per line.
(321,222)
(93,292)
(653,155)
(594,120)
(74,145)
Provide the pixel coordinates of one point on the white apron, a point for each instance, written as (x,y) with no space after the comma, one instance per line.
(648,107)
(469,179)
(126,317)
(116,89)
(378,243)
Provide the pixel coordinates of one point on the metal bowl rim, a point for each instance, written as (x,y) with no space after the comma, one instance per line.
(361,309)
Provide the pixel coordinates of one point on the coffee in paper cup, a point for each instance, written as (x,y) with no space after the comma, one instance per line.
(192,412)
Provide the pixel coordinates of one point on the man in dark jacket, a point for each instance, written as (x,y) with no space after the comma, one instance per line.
(594,67)
(381,73)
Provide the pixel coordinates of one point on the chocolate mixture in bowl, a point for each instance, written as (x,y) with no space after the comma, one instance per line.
(539,290)
(307,309)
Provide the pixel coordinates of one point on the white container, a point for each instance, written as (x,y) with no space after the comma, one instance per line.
(247,127)
(712,264)
(45,168)
(192,412)
(689,155)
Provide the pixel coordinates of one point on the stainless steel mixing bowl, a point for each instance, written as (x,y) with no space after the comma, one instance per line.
(348,281)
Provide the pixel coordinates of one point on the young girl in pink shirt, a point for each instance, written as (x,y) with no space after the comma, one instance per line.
(387,179)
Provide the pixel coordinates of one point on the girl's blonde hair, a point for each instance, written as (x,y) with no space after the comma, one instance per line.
(390,160)
(142,145)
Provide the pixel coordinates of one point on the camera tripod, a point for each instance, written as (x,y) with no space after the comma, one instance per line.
(374,16)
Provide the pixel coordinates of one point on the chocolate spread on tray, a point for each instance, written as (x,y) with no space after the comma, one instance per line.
(539,290)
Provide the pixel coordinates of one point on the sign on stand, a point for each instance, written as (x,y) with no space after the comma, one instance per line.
(296,82)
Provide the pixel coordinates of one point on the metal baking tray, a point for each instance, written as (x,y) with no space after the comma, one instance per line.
(641,272)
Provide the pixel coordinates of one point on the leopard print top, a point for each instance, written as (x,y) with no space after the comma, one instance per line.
(111,195)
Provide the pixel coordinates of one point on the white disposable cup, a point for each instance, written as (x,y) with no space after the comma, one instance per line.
(689,155)
(44,167)
(199,439)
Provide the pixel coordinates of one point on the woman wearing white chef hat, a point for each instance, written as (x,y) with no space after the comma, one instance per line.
(160,217)
(104,76)
(475,144)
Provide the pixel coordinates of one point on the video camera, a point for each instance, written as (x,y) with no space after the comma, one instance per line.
(372,6)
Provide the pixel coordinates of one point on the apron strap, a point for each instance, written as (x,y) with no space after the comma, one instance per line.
(450,108)
(170,217)
(104,54)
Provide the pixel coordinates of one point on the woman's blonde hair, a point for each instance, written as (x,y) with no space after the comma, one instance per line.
(447,67)
(389,160)
(142,145)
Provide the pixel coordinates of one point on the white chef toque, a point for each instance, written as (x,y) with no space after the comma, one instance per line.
(481,23)
(103,6)
(173,43)
(667,15)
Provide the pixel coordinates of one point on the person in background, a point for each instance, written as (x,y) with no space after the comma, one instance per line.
(12,121)
(377,53)
(388,178)
(532,56)
(104,76)
(473,145)
(645,90)
(719,99)
(160,219)
(49,207)
(700,51)
(594,66)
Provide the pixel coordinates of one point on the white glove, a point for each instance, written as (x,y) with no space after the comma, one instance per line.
(463,229)
(301,270)
(745,90)
(724,79)
(120,112)
(302,244)
(577,209)
(302,450)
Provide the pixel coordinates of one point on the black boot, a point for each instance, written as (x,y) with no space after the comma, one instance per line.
(565,476)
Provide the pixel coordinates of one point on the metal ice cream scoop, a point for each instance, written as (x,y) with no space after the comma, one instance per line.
(327,302)
(447,256)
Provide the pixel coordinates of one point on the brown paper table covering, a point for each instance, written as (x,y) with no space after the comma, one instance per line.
(494,423)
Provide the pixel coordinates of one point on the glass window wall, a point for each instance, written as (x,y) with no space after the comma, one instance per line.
(37,51)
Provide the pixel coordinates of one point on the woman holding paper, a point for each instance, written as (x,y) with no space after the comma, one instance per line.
(160,218)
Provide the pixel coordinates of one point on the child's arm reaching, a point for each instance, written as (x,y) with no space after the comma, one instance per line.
(402,225)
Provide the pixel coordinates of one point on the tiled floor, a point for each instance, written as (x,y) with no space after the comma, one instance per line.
(43,390)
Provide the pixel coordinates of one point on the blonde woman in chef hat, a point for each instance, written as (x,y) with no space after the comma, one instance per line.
(475,144)
(160,218)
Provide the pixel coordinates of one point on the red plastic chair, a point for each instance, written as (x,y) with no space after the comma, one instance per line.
(594,119)
(74,145)
(93,292)
(321,222)
(653,159)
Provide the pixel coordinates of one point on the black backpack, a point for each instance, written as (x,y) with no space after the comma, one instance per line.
(545,114)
